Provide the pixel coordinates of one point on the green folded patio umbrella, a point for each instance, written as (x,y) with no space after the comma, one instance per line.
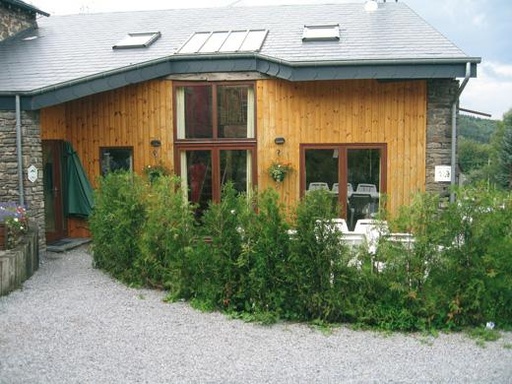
(79,192)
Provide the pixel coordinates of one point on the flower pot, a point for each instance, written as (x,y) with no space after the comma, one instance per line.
(278,177)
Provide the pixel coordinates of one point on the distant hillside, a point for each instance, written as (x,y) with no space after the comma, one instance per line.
(475,128)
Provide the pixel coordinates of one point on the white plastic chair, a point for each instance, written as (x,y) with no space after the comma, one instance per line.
(372,230)
(405,239)
(317,185)
(338,224)
(366,188)
(335,188)
(350,189)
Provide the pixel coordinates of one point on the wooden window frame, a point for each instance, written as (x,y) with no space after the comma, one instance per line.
(109,147)
(343,165)
(214,116)
(215,144)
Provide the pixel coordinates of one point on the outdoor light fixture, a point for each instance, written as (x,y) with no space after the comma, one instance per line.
(279,140)
(155,143)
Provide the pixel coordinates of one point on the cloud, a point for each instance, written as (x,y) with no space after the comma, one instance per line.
(491,91)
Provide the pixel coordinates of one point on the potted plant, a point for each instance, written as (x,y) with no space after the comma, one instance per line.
(278,171)
(153,172)
(13,224)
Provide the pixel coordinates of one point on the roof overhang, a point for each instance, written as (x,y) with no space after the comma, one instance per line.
(404,69)
(25,7)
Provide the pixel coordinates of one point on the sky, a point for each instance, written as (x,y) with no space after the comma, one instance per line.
(481,28)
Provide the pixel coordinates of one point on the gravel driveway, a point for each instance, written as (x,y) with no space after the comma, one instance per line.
(73,324)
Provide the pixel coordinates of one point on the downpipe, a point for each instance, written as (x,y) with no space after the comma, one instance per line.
(19,152)
(454,131)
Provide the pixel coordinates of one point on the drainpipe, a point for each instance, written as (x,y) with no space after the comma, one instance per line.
(19,151)
(454,130)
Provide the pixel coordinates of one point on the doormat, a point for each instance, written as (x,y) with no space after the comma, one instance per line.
(66,244)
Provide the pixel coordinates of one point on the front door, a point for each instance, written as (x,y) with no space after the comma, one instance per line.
(53,201)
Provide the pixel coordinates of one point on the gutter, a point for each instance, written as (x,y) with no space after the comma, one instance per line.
(454,130)
(19,152)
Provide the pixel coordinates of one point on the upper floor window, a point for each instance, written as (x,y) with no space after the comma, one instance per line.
(215,111)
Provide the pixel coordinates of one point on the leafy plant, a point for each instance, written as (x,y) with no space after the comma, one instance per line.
(15,219)
(167,235)
(154,172)
(116,223)
(278,170)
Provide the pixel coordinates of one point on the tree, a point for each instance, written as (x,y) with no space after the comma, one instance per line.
(505,153)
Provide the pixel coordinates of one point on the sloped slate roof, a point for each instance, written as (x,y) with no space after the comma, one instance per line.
(72,55)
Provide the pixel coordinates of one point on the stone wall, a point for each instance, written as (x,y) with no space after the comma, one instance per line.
(14,20)
(441,94)
(32,155)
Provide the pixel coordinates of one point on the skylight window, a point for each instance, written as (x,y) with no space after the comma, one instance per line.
(137,40)
(247,40)
(327,32)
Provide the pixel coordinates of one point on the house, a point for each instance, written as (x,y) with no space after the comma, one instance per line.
(357,95)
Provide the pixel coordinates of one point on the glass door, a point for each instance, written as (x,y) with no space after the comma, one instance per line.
(353,173)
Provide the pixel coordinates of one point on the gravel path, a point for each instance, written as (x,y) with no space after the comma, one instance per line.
(73,324)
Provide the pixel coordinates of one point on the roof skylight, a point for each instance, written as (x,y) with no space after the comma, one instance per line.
(137,40)
(326,32)
(246,40)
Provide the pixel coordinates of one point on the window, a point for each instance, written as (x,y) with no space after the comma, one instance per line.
(215,139)
(247,40)
(116,159)
(321,32)
(360,168)
(137,40)
(215,111)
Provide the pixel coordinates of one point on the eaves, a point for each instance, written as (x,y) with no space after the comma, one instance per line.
(394,69)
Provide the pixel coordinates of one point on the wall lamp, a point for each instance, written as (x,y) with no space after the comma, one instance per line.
(155,143)
(279,140)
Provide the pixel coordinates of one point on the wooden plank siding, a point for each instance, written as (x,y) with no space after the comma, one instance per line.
(334,112)
(356,111)
(127,117)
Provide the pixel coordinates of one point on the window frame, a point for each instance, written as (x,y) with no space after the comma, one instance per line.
(214,116)
(215,144)
(215,156)
(108,147)
(343,149)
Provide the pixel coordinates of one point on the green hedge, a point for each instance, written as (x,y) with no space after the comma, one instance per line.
(242,257)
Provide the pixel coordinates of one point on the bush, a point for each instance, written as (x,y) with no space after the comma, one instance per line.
(243,258)
(320,275)
(116,224)
(167,237)
(218,281)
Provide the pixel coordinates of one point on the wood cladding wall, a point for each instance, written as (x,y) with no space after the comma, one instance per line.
(356,111)
(334,112)
(127,117)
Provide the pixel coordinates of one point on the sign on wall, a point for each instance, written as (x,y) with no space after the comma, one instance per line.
(443,173)
(32,173)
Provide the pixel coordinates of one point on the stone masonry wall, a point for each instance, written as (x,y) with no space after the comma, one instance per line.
(32,155)
(441,94)
(13,21)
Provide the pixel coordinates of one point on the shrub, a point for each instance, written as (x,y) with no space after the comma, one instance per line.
(263,261)
(243,258)
(319,261)
(218,280)
(116,223)
(167,237)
